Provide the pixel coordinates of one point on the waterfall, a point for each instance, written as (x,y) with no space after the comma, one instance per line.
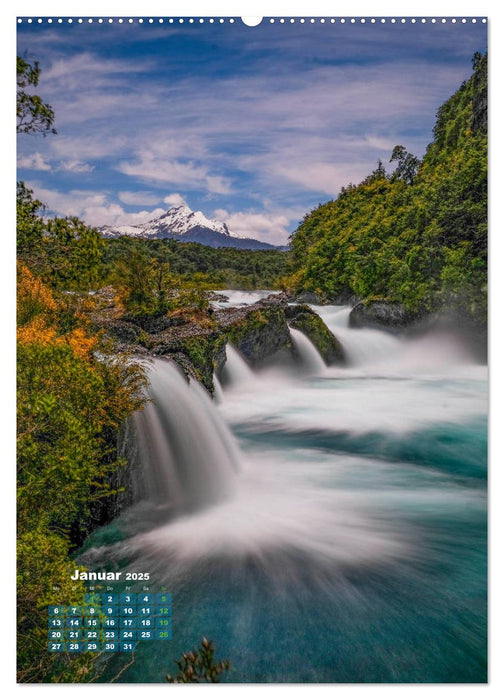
(218,393)
(308,354)
(363,346)
(236,370)
(188,455)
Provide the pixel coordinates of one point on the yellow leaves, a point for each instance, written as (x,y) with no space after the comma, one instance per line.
(81,343)
(33,296)
(37,310)
(30,286)
(36,331)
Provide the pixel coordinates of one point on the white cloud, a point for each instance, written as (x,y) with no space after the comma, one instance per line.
(68,73)
(293,132)
(217,184)
(152,168)
(35,161)
(92,207)
(139,198)
(174,199)
(149,167)
(94,145)
(323,177)
(272,227)
(139,217)
(76,166)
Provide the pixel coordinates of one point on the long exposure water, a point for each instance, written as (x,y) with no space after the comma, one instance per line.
(344,534)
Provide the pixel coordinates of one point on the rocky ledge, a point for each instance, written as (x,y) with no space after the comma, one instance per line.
(387,316)
(196,339)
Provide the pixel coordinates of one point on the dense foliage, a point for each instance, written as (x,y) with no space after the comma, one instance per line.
(62,250)
(70,408)
(148,271)
(417,236)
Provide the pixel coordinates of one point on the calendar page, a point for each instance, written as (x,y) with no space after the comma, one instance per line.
(252,349)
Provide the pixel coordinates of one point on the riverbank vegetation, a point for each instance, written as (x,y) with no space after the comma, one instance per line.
(72,400)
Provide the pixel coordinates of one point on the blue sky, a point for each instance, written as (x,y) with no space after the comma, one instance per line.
(253,126)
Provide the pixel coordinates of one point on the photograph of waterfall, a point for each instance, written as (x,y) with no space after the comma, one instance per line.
(252,350)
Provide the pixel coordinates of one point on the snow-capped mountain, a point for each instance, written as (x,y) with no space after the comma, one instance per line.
(188,226)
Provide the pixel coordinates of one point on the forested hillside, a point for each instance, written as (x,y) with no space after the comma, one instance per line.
(417,236)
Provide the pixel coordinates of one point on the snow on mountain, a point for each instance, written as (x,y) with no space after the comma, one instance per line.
(183,224)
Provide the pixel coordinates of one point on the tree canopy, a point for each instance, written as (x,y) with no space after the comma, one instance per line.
(33,114)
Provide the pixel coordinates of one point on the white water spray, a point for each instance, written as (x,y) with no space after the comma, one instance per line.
(236,371)
(291,510)
(309,356)
(379,352)
(363,346)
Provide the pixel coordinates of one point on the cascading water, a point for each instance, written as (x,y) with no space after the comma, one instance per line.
(363,346)
(309,356)
(236,371)
(379,351)
(218,392)
(234,297)
(188,456)
(352,547)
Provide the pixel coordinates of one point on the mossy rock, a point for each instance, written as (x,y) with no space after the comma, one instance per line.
(329,347)
(262,333)
(204,354)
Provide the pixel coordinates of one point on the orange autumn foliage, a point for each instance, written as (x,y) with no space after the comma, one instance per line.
(81,343)
(37,317)
(36,331)
(33,296)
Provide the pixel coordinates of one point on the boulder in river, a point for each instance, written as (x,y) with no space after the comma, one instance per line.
(386,316)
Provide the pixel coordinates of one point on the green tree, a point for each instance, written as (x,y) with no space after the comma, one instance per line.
(29,223)
(73,253)
(199,666)
(407,165)
(33,115)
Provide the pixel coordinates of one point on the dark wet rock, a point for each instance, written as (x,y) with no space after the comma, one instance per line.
(123,331)
(155,323)
(216,296)
(383,315)
(345,300)
(309,298)
(260,333)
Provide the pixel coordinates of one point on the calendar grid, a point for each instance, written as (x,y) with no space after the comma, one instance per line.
(110,622)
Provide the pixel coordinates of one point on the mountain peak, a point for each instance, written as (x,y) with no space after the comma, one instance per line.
(181,223)
(181,219)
